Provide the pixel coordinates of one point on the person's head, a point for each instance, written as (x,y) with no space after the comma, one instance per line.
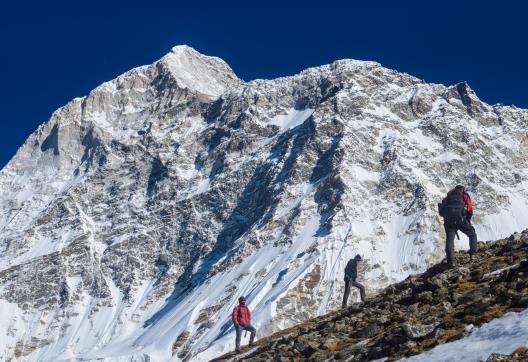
(357,257)
(460,189)
(242,300)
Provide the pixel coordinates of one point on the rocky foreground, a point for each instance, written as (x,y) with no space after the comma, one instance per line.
(414,315)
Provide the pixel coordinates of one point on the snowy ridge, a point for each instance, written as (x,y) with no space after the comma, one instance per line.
(134,218)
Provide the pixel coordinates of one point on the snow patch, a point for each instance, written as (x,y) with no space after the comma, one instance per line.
(292,119)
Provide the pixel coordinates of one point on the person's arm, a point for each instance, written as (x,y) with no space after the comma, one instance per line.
(348,267)
(234,317)
(441,207)
(249,315)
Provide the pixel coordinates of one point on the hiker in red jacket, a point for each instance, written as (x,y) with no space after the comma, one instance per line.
(242,320)
(457,210)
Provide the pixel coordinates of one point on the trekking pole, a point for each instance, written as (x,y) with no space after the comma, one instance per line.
(245,334)
(458,237)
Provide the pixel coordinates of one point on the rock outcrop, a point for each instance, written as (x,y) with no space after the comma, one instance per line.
(519,355)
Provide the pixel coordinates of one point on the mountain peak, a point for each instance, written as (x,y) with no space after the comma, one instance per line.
(187,50)
(193,70)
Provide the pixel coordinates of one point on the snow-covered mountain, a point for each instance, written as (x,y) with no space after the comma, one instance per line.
(132,220)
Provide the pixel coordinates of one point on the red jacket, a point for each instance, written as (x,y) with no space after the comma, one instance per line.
(469,205)
(241,315)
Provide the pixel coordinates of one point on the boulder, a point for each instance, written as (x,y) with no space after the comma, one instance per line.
(516,237)
(418,330)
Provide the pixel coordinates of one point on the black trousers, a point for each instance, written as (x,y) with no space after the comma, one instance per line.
(353,282)
(245,327)
(451,227)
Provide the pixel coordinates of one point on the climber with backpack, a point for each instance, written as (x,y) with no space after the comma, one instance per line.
(242,320)
(350,279)
(457,211)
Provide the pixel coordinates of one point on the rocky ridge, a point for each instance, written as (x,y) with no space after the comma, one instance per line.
(414,315)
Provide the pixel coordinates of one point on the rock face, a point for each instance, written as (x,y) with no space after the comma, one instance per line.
(132,220)
(400,322)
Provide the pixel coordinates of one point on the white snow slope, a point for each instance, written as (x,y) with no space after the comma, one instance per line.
(502,335)
(132,220)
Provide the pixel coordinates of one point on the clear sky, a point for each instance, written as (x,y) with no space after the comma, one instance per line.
(53,51)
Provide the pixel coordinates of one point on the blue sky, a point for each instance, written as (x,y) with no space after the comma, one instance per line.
(55,51)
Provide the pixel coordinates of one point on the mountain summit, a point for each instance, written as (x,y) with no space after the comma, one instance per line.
(132,220)
(197,72)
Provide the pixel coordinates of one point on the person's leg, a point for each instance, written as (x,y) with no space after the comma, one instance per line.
(347,291)
(238,336)
(469,230)
(253,331)
(361,289)
(450,231)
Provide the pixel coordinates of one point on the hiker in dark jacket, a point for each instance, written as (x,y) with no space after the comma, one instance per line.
(350,279)
(457,210)
(242,320)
